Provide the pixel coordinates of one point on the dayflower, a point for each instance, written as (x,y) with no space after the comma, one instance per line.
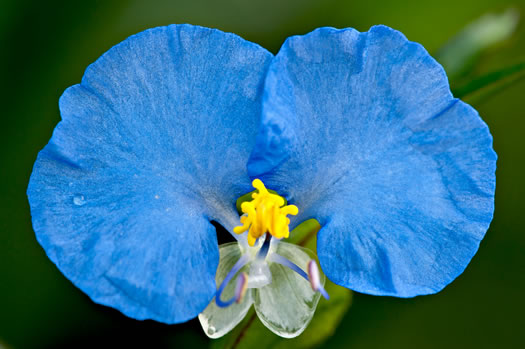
(283,281)
(170,127)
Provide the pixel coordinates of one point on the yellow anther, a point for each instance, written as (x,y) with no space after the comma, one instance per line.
(266,213)
(290,209)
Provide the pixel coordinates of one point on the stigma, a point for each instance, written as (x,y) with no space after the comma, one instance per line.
(266,213)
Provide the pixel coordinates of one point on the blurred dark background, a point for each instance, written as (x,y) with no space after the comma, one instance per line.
(45,47)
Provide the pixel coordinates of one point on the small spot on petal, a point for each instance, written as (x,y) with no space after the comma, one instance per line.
(79,200)
(211,330)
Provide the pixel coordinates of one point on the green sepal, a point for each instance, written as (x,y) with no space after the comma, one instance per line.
(304,232)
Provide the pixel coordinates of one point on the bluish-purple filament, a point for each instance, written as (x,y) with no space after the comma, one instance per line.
(238,266)
(287,263)
(261,255)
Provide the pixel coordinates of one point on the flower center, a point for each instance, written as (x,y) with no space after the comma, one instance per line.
(266,213)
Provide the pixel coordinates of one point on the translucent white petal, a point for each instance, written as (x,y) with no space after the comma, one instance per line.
(216,321)
(260,274)
(287,305)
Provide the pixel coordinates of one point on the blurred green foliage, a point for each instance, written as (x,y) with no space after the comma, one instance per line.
(45,47)
(463,49)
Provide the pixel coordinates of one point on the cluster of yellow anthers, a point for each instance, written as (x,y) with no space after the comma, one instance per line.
(265,213)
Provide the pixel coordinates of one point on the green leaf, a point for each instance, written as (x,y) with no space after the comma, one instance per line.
(489,30)
(304,234)
(251,333)
(489,84)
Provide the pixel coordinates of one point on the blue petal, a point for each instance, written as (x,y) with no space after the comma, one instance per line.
(360,130)
(152,145)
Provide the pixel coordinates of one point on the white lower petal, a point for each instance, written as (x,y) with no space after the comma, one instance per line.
(217,321)
(287,305)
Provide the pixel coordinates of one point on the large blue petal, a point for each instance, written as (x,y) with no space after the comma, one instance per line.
(152,145)
(360,130)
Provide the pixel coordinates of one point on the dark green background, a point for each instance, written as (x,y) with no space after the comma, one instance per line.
(45,47)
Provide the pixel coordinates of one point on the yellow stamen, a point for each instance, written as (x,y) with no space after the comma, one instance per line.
(265,213)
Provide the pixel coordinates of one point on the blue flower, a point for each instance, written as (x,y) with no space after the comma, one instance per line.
(170,127)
